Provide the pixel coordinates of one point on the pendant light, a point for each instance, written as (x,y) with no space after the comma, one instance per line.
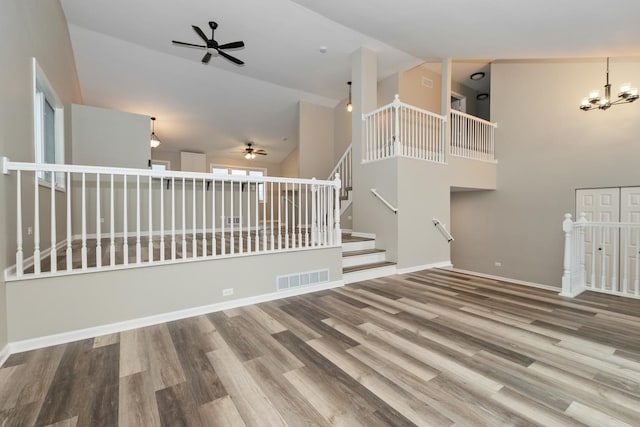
(349,104)
(154,141)
(595,101)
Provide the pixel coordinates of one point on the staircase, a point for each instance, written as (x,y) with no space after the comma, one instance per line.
(361,260)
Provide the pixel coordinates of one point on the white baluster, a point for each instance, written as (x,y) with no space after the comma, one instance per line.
(138,243)
(83,251)
(292,207)
(241,217)
(204,218)
(337,240)
(53,256)
(69,251)
(112,246)
(279,217)
(214,241)
(306,215)
(125,245)
(248,187)
(98,225)
(257,219)
(625,268)
(264,216)
(162,231)
(173,218)
(194,239)
(150,219)
(232,225)
(593,257)
(36,225)
(603,257)
(184,220)
(271,217)
(286,215)
(614,261)
(222,216)
(636,279)
(299,215)
(314,214)
(19,253)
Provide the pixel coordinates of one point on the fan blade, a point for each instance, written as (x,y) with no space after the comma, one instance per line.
(187,44)
(261,152)
(230,58)
(206,58)
(201,34)
(232,45)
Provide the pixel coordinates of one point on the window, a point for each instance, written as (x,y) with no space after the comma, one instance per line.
(160,165)
(48,126)
(238,171)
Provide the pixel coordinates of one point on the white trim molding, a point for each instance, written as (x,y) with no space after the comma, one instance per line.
(363,235)
(442,264)
(4,354)
(66,337)
(507,279)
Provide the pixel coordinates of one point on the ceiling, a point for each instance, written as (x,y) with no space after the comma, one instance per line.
(126,61)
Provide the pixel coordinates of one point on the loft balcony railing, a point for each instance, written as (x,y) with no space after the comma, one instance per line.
(72,218)
(472,137)
(399,129)
(601,257)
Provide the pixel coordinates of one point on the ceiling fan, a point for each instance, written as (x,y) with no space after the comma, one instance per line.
(250,152)
(212,44)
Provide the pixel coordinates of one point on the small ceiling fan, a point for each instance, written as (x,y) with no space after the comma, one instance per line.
(212,44)
(250,152)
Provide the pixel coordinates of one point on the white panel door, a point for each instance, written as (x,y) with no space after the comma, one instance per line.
(630,241)
(601,245)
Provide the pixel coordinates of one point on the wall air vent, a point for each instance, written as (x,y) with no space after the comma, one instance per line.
(427,82)
(300,280)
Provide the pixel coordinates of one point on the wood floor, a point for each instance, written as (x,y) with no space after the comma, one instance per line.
(428,348)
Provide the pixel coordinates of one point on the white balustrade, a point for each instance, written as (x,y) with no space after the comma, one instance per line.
(238,216)
(344,169)
(601,256)
(472,137)
(400,129)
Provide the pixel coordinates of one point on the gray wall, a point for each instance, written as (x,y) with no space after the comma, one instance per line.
(28,28)
(46,307)
(315,140)
(546,148)
(110,138)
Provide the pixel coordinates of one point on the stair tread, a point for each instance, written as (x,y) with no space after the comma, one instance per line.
(367,266)
(362,252)
(347,238)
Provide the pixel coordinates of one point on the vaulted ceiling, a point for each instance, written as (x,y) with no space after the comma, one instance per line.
(126,61)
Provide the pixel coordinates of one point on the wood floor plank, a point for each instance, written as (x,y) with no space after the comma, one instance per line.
(433,347)
(137,404)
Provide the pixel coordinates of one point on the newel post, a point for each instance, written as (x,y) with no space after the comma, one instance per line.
(396,125)
(567,227)
(337,237)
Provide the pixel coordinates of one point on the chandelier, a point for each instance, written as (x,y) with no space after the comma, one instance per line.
(626,94)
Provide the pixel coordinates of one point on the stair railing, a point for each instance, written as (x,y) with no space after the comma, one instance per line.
(383,200)
(443,230)
(472,137)
(343,167)
(400,129)
(73,218)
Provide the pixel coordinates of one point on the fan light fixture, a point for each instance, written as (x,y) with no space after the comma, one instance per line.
(349,104)
(593,101)
(249,156)
(154,141)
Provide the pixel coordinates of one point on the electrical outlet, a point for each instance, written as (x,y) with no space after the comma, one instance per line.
(29,231)
(227,292)
(498,264)
(101,220)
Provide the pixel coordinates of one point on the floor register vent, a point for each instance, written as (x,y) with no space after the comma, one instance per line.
(299,280)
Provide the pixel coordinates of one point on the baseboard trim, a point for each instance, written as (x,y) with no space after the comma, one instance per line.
(442,264)
(364,235)
(4,354)
(66,337)
(507,279)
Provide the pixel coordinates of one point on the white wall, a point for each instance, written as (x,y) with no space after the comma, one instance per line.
(28,28)
(546,148)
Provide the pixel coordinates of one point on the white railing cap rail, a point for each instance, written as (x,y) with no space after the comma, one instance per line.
(608,224)
(397,103)
(474,118)
(8,165)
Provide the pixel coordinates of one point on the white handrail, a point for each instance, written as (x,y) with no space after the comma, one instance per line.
(400,129)
(383,200)
(474,118)
(443,230)
(344,169)
(230,216)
